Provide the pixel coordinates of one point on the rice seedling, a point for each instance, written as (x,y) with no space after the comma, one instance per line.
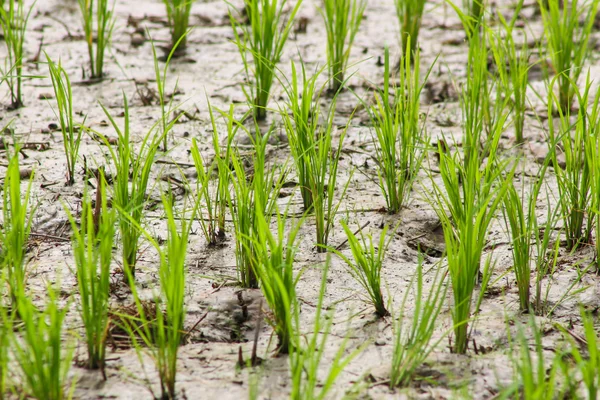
(264,38)
(44,360)
(568,42)
(17,216)
(64,102)
(13,19)
(301,121)
(260,192)
(366,264)
(471,195)
(412,344)
(92,243)
(213,225)
(98,25)
(274,269)
(409,13)
(401,141)
(592,155)
(522,225)
(574,180)
(588,364)
(130,198)
(5,330)
(178,13)
(342,21)
(163,335)
(513,68)
(307,355)
(535,377)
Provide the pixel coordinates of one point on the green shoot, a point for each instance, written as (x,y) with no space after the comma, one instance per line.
(92,249)
(592,154)
(6,328)
(522,225)
(412,344)
(164,335)
(213,226)
(264,38)
(131,197)
(513,68)
(13,20)
(16,227)
(64,102)
(98,25)
(178,13)
(401,142)
(306,358)
(44,360)
(409,13)
(574,180)
(342,21)
(366,267)
(274,269)
(568,42)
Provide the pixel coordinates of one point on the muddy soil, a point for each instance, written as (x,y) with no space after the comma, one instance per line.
(211,68)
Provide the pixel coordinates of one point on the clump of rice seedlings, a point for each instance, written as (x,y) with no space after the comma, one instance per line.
(98,24)
(592,155)
(574,180)
(64,102)
(301,121)
(13,20)
(44,360)
(513,68)
(412,343)
(342,21)
(163,335)
(522,225)
(92,248)
(131,180)
(568,42)
(366,264)
(409,13)
(466,203)
(264,38)
(215,202)
(178,13)
(307,354)
(250,197)
(535,377)
(17,216)
(274,269)
(401,142)
(588,364)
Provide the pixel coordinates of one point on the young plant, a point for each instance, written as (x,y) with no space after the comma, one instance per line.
(130,198)
(264,39)
(366,265)
(98,25)
(261,191)
(13,20)
(307,355)
(178,13)
(412,344)
(401,142)
(513,68)
(92,248)
(163,335)
(574,180)
(409,13)
(522,225)
(6,327)
(16,226)
(274,269)
(568,42)
(213,226)
(64,102)
(44,360)
(342,21)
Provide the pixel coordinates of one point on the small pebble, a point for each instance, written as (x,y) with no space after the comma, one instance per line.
(137,40)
